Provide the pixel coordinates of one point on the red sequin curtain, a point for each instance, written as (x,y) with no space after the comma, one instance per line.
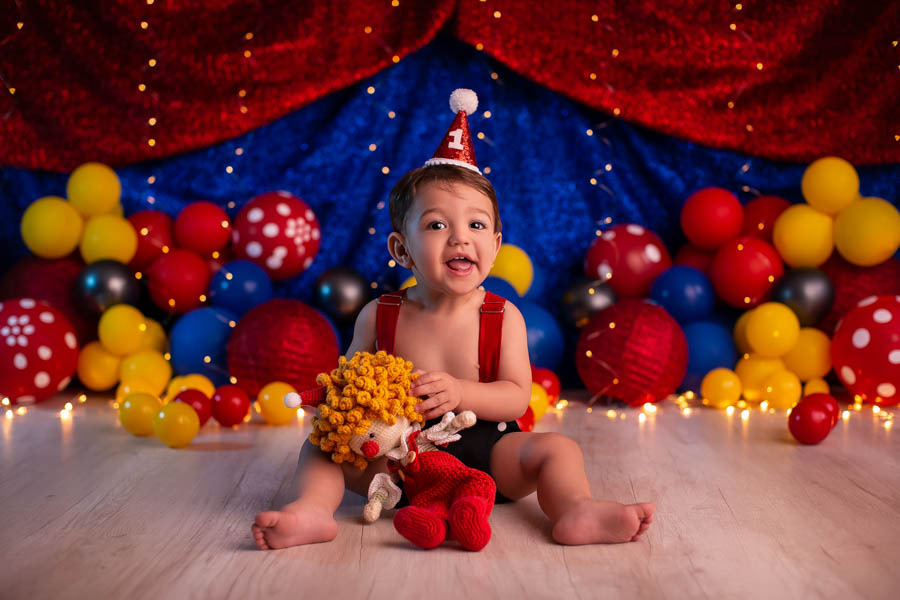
(126,81)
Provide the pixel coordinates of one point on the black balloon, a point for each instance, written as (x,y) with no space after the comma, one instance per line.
(104,283)
(806,291)
(585,298)
(341,292)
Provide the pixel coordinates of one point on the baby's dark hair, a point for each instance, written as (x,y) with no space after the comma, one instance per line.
(404,191)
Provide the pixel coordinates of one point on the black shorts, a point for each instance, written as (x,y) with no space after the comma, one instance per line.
(474,448)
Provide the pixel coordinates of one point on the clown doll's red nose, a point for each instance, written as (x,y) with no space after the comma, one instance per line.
(370,449)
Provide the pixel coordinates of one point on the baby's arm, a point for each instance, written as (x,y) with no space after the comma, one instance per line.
(364,330)
(503,400)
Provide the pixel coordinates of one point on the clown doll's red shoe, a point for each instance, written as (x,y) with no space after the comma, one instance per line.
(469,524)
(423,527)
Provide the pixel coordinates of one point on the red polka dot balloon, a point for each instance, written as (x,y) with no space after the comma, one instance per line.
(744,271)
(279,232)
(629,258)
(865,350)
(38,351)
(633,351)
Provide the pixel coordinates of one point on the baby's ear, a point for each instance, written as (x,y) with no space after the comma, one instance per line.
(397,248)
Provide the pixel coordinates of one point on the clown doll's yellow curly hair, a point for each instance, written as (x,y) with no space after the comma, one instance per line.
(365,388)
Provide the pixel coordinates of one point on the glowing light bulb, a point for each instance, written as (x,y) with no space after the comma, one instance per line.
(745,414)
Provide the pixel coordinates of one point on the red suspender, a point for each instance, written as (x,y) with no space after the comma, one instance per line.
(386,320)
(489,337)
(489,332)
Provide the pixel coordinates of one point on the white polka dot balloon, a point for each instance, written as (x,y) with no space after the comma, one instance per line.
(865,351)
(38,351)
(628,257)
(279,232)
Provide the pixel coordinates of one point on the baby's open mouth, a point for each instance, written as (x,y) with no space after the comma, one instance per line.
(460,264)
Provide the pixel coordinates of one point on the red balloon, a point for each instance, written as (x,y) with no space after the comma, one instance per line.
(829,405)
(865,350)
(38,351)
(760,215)
(230,405)
(177,279)
(633,351)
(202,227)
(710,217)
(628,257)
(809,422)
(197,399)
(279,232)
(548,380)
(154,232)
(281,340)
(526,421)
(692,256)
(852,283)
(744,271)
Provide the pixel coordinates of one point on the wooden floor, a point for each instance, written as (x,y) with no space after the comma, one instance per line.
(88,511)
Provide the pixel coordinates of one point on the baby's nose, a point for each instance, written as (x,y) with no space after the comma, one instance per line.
(370,449)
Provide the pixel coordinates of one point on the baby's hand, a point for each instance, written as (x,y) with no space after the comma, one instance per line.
(443,390)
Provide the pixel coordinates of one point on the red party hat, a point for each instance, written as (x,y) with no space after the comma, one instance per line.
(456,147)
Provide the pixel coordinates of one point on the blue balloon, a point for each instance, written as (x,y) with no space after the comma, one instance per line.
(248,286)
(200,334)
(536,290)
(710,346)
(685,292)
(545,338)
(501,287)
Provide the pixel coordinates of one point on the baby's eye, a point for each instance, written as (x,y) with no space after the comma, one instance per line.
(437,225)
(478,225)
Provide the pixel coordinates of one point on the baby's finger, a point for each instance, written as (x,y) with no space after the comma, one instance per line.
(426,405)
(426,389)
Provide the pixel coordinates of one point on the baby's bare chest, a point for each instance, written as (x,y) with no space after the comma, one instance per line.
(437,345)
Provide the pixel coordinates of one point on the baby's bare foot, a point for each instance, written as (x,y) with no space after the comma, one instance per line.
(600,522)
(293,527)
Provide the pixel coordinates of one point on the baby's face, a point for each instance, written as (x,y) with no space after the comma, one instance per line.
(450,237)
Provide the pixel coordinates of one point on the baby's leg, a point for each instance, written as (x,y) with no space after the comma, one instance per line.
(309,518)
(554,465)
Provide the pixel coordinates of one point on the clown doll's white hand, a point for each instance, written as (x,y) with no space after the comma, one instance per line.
(443,390)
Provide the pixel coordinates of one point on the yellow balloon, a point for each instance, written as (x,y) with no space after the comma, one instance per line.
(192,381)
(176,424)
(148,365)
(270,402)
(773,329)
(830,184)
(867,232)
(137,412)
(94,189)
(810,358)
(108,236)
(155,337)
(513,265)
(816,386)
(98,368)
(539,402)
(133,385)
(409,283)
(117,210)
(121,329)
(51,227)
(721,387)
(740,333)
(753,371)
(781,389)
(803,236)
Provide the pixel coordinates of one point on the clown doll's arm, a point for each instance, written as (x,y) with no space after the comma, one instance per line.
(383,493)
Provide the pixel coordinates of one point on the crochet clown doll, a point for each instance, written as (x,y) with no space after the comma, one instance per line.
(363,413)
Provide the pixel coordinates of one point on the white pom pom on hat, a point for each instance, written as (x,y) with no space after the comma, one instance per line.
(456,148)
(465,100)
